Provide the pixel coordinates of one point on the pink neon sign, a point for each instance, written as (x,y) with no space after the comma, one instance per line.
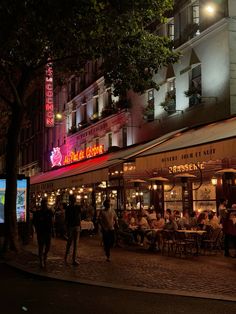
(49,107)
(56,157)
(91,151)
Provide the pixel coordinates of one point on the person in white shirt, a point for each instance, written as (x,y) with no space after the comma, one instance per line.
(108,221)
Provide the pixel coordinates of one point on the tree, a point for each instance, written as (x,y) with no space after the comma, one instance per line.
(68,33)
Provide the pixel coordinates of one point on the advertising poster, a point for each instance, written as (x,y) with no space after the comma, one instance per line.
(21,200)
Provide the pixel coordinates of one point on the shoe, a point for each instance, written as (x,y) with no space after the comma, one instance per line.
(108,259)
(226,255)
(75,263)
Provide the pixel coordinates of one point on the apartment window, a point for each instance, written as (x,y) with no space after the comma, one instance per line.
(169,105)
(95,105)
(124,137)
(171,29)
(73,118)
(109,140)
(72,88)
(84,112)
(149,109)
(195,86)
(151,94)
(195,14)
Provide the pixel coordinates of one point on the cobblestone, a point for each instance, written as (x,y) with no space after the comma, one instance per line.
(136,267)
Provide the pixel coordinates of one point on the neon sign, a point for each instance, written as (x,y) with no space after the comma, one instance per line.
(91,151)
(49,107)
(56,157)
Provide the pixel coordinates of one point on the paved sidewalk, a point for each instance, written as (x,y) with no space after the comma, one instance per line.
(135,268)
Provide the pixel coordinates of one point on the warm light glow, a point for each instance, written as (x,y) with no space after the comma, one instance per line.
(58,116)
(210,9)
(214,181)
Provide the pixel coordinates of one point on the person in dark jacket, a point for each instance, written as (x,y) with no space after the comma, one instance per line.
(73,225)
(229,229)
(43,222)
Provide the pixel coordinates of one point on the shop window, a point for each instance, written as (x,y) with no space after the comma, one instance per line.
(204,198)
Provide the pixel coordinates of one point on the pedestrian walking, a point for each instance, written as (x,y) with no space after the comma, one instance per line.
(108,221)
(43,222)
(73,225)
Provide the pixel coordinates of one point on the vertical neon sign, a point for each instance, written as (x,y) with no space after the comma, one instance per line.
(49,107)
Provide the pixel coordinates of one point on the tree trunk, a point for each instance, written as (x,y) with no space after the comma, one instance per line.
(12,151)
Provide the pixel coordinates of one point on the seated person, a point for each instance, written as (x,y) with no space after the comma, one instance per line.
(155,234)
(124,232)
(142,226)
(202,220)
(151,215)
(183,222)
(212,222)
(171,225)
(193,220)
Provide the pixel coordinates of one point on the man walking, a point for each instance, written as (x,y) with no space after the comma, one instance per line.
(43,222)
(72,221)
(108,220)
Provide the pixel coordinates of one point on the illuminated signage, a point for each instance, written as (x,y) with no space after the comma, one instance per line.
(49,107)
(56,156)
(21,199)
(186,167)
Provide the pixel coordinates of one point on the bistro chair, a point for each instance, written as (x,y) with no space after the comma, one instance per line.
(212,244)
(183,245)
(167,242)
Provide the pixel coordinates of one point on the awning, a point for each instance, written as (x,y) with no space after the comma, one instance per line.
(90,171)
(215,141)
(85,172)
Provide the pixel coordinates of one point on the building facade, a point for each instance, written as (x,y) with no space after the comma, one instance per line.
(199,89)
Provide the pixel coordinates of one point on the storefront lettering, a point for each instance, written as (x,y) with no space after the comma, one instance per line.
(49,107)
(83,154)
(190,155)
(186,167)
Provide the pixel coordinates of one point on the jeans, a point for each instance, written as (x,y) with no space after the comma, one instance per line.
(73,234)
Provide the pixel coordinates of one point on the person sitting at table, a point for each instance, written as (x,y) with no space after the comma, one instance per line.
(212,222)
(133,222)
(124,233)
(142,226)
(193,220)
(151,215)
(154,235)
(202,220)
(171,225)
(183,222)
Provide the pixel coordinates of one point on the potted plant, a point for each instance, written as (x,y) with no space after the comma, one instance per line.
(169,105)
(194,95)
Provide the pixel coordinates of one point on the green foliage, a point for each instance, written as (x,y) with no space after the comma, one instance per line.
(170,101)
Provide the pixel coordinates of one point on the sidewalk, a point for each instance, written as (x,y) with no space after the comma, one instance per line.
(135,268)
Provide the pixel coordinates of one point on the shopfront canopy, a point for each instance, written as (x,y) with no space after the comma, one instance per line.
(215,141)
(90,171)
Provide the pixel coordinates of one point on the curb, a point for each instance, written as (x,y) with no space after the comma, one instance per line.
(125,287)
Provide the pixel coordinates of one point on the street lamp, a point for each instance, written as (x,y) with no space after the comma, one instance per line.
(210,9)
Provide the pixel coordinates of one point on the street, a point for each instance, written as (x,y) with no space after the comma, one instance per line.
(21,292)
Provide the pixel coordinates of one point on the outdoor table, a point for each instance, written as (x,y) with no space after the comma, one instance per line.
(197,234)
(87,225)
